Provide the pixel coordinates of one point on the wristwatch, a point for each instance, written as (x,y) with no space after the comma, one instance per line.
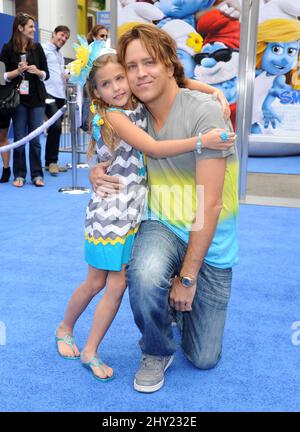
(186,281)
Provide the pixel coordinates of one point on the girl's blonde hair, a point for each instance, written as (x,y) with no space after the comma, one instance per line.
(277,30)
(107,132)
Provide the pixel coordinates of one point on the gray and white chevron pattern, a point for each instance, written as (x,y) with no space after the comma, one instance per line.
(115,216)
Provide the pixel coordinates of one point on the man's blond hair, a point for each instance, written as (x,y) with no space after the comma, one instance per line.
(158,43)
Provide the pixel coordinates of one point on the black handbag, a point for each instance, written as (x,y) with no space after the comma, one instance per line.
(10,101)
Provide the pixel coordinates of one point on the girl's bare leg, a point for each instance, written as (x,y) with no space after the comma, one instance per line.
(106,310)
(80,299)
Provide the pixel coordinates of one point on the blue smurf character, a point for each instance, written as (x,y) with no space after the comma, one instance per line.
(217,63)
(188,42)
(276,64)
(182,9)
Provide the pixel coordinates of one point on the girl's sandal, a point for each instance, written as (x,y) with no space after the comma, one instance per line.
(68,339)
(96,362)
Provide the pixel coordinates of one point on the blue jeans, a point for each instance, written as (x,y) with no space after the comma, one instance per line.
(26,120)
(157,256)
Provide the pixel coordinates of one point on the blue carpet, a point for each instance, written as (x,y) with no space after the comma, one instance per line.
(42,262)
(274,165)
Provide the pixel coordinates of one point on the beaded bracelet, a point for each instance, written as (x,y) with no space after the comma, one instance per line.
(199,144)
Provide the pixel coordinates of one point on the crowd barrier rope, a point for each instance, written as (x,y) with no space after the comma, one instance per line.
(36,132)
(72,108)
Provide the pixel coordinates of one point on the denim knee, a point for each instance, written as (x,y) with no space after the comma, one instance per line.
(147,287)
(203,361)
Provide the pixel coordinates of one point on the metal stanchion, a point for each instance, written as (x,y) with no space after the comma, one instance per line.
(72,103)
(81,164)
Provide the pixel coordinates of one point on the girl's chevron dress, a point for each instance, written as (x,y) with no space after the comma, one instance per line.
(111,223)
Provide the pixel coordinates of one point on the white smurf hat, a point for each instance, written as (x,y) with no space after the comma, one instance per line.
(140,13)
(185,36)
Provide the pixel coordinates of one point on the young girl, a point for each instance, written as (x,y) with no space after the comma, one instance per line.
(111,222)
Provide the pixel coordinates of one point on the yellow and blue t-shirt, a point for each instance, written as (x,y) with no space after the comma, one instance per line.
(172,181)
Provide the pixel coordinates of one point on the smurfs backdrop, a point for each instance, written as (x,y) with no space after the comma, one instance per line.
(276,105)
(277,85)
(207,34)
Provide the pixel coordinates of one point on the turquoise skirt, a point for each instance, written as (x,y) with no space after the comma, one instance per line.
(110,257)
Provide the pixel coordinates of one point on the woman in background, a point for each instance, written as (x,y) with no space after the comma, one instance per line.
(98,32)
(26,65)
(4,126)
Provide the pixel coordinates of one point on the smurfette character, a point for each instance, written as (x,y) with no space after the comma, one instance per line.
(188,41)
(217,63)
(276,67)
(182,9)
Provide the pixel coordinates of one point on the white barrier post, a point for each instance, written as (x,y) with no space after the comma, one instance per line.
(72,104)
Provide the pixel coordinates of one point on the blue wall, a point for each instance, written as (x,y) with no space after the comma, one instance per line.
(6,23)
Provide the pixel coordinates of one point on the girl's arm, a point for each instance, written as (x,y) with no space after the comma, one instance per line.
(206,88)
(140,140)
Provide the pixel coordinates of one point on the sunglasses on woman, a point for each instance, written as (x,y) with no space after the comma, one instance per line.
(103,36)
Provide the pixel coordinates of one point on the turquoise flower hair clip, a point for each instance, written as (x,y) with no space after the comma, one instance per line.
(97,122)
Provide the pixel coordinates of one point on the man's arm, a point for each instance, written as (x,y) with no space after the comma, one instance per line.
(192,84)
(210,175)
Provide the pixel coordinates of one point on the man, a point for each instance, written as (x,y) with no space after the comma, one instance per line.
(183,254)
(55,87)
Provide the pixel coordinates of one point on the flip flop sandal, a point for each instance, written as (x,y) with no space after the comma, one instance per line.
(19,179)
(38,179)
(96,362)
(68,339)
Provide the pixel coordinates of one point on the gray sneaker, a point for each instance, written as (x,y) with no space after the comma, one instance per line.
(53,169)
(150,376)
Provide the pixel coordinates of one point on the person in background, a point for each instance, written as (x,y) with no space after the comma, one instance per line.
(56,90)
(26,64)
(4,126)
(98,32)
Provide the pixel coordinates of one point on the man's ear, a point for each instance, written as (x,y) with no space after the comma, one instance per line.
(170,70)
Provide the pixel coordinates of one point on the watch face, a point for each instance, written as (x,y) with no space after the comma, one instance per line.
(188,282)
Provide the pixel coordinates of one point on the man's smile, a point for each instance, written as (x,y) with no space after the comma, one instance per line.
(144,84)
